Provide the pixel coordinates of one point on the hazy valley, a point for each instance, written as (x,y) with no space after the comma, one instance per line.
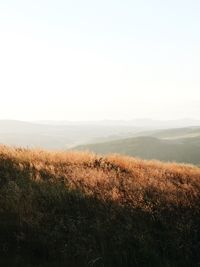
(179,145)
(147,139)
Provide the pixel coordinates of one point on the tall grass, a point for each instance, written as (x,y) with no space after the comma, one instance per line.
(81,209)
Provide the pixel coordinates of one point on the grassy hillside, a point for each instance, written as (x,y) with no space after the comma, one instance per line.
(79,209)
(178,133)
(186,150)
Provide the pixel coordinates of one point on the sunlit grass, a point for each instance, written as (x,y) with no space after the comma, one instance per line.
(89,210)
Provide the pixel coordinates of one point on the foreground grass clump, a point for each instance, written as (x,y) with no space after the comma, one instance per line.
(79,209)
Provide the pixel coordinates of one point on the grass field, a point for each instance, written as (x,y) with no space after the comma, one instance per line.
(80,209)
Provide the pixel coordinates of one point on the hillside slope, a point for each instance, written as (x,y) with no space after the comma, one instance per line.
(185,150)
(178,133)
(79,209)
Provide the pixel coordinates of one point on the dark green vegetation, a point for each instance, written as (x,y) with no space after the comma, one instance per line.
(78,209)
(180,145)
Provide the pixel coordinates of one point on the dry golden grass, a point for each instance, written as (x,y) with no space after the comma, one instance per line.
(113,177)
(156,204)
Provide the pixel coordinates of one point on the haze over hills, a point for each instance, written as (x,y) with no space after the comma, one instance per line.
(180,145)
(60,135)
(144,123)
(148,139)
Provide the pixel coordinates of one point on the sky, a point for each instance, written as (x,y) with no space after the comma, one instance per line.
(96,60)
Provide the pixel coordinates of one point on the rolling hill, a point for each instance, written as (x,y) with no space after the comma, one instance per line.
(175,144)
(65,135)
(59,136)
(81,209)
(177,133)
(180,145)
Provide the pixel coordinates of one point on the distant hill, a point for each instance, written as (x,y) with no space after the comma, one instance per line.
(59,136)
(180,145)
(177,133)
(174,144)
(139,123)
(81,209)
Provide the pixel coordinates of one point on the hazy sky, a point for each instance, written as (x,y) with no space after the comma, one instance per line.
(108,59)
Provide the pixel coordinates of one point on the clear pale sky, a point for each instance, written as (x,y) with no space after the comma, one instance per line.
(91,60)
